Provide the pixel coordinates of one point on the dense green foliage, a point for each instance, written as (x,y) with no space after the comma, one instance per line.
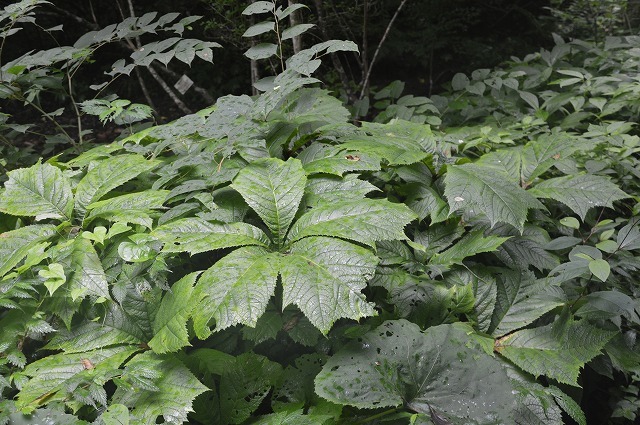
(469,258)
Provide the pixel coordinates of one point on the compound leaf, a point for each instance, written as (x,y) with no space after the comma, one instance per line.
(49,375)
(471,244)
(130,208)
(521,299)
(273,189)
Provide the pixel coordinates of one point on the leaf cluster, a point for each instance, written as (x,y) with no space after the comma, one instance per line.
(268,261)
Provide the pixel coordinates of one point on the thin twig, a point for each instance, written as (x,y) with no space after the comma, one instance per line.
(365,83)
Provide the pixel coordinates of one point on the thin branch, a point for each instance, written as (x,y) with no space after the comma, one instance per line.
(200,90)
(179,103)
(365,83)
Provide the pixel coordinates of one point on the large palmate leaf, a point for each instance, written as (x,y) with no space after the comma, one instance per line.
(580,192)
(174,389)
(50,374)
(236,289)
(483,190)
(41,191)
(363,220)
(324,277)
(273,189)
(521,299)
(16,244)
(439,370)
(106,176)
(194,235)
(556,354)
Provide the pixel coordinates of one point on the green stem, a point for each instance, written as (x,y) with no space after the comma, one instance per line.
(377,416)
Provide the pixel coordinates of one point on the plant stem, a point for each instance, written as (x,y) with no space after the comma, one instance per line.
(365,83)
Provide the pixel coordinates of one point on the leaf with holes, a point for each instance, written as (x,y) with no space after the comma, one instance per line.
(441,368)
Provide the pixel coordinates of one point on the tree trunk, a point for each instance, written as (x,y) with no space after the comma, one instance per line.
(294,19)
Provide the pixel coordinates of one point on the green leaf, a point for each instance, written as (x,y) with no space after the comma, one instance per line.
(608,305)
(194,235)
(481,189)
(244,385)
(330,189)
(129,322)
(116,414)
(324,277)
(259,7)
(54,275)
(580,192)
(259,28)
(106,176)
(273,189)
(471,244)
(440,369)
(45,416)
(295,31)
(41,191)
(524,163)
(600,269)
(261,51)
(16,244)
(50,374)
(291,418)
(543,351)
(320,158)
(130,208)
(235,290)
(521,299)
(568,404)
(135,252)
(87,274)
(570,222)
(365,221)
(170,322)
(176,387)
